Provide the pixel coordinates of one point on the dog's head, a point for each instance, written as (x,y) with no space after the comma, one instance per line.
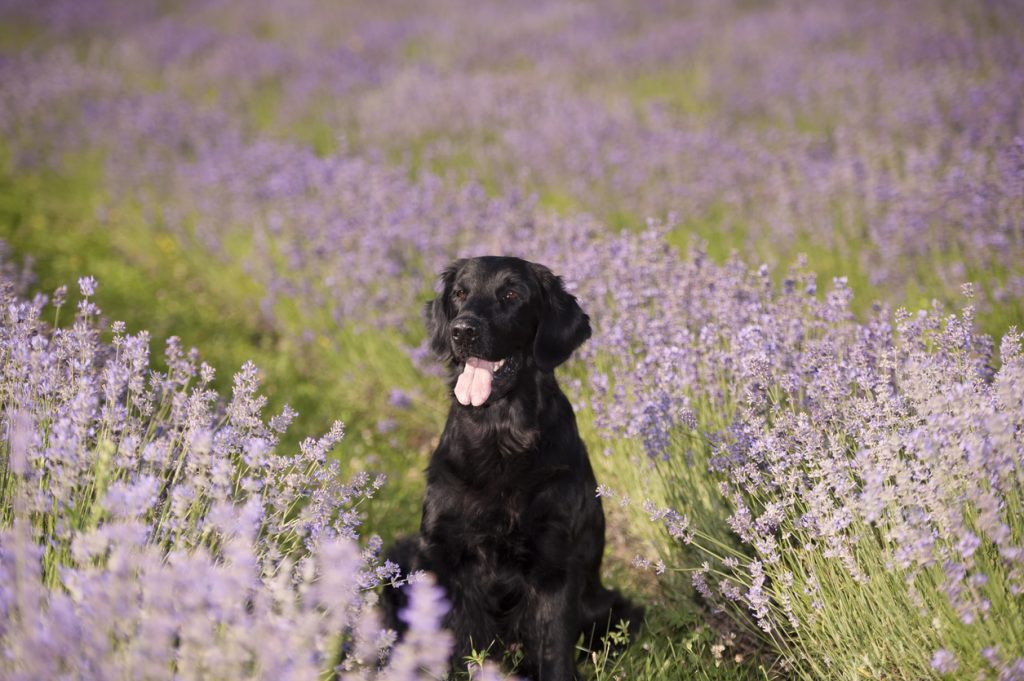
(499,316)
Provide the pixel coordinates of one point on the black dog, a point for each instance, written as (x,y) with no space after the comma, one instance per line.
(511,523)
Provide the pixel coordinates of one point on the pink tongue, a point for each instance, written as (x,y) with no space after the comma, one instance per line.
(474,385)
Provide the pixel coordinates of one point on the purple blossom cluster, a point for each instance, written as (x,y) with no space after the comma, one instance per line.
(149,530)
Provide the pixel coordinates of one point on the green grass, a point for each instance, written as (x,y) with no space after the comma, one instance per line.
(16,36)
(683,89)
(678,643)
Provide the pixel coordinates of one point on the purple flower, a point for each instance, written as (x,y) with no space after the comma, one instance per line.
(399,398)
(944,662)
(131,500)
(87,285)
(426,646)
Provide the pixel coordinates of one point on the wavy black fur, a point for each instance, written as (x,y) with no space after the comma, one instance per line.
(511,525)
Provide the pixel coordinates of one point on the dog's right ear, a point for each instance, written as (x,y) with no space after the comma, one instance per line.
(437,313)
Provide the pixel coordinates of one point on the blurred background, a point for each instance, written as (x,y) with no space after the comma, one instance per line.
(282,181)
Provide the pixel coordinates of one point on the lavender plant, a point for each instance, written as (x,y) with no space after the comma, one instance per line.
(149,530)
(869,473)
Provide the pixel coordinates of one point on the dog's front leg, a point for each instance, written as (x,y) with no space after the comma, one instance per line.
(550,634)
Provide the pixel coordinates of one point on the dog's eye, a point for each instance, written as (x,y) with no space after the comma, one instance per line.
(459,294)
(510,295)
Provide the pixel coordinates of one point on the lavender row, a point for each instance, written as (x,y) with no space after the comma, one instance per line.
(150,529)
(881,459)
(885,136)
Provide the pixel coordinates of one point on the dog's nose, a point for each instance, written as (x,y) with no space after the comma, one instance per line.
(465,331)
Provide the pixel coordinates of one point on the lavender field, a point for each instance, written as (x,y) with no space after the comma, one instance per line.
(798,229)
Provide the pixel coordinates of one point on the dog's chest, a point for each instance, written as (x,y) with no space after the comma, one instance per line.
(490,508)
(501,525)
(497,512)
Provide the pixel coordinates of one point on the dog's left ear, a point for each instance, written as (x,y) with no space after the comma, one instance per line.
(563,325)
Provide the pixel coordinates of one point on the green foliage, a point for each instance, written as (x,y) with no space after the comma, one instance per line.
(151,281)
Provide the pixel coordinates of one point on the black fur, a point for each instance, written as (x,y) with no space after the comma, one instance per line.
(511,525)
